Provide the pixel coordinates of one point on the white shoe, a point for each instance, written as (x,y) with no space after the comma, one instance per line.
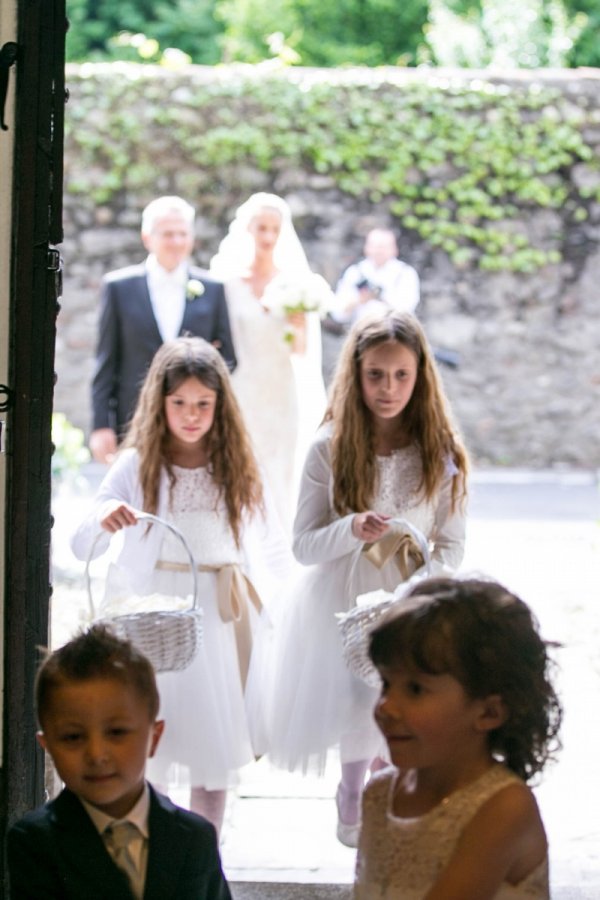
(346,834)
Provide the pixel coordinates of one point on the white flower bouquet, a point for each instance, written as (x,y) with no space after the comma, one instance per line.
(297,294)
(290,295)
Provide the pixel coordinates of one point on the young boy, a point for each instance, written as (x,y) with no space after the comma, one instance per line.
(97,706)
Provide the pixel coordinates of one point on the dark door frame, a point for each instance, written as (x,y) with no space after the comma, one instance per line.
(34,290)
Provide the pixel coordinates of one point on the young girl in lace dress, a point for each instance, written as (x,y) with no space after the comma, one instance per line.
(188,459)
(387,449)
(469,715)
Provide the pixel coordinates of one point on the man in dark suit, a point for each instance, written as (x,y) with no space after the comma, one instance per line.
(144,305)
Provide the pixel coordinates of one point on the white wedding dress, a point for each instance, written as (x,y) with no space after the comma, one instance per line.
(281,394)
(214,725)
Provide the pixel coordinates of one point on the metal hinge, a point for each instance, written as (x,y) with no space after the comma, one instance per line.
(54,260)
(6,401)
(8,55)
(54,264)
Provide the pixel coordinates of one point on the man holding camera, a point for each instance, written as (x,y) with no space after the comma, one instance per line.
(379,281)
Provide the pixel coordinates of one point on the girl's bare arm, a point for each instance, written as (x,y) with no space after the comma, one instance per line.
(504,842)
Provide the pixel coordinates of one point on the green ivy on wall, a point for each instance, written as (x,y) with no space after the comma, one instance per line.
(462,164)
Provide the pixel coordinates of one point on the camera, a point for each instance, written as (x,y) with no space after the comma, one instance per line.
(374,289)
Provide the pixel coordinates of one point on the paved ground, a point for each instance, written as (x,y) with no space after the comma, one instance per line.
(540,534)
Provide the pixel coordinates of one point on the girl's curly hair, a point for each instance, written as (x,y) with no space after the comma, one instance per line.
(488,639)
(427,419)
(231,460)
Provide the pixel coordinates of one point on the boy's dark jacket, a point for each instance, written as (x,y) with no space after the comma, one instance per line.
(56,852)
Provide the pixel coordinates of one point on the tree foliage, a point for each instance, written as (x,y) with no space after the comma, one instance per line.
(523,33)
(358,32)
(114,29)
(586,48)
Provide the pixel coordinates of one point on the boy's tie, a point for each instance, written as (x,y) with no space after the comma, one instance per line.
(118,837)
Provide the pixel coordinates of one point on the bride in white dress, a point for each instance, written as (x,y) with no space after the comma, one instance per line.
(278,380)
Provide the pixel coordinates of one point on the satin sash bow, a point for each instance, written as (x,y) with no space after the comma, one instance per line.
(234,592)
(400,547)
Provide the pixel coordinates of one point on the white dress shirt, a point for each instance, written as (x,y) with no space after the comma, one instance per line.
(398,282)
(167,295)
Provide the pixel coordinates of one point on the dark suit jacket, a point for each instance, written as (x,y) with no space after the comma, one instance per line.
(56,853)
(128,338)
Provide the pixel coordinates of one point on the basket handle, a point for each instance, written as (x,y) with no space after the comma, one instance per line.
(419,538)
(142,516)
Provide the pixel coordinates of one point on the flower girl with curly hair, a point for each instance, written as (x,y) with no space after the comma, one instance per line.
(470,715)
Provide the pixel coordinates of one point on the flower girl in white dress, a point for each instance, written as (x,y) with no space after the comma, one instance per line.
(278,380)
(188,459)
(387,449)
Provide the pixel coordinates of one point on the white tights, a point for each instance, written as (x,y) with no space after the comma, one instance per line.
(210,804)
(350,790)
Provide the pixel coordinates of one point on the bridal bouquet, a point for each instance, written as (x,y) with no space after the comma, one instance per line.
(298,294)
(292,294)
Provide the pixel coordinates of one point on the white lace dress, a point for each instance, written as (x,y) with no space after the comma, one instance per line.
(400,859)
(208,735)
(281,396)
(316,703)
(213,724)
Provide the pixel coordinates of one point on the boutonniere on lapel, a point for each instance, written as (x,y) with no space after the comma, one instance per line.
(194,289)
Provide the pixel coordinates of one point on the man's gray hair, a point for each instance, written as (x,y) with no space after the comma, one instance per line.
(164,206)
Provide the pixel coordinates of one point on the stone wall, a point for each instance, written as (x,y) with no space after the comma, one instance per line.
(527,390)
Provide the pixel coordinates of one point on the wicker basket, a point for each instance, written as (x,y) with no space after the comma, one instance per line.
(356,626)
(169,638)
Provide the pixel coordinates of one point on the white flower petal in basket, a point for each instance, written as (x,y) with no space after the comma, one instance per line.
(135,603)
(373,597)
